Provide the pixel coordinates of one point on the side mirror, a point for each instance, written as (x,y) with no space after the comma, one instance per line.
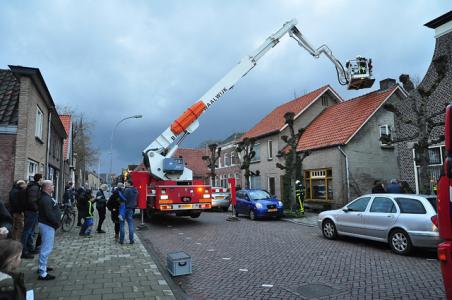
(346,209)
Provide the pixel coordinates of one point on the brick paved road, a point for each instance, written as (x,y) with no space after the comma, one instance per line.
(233,260)
(97,268)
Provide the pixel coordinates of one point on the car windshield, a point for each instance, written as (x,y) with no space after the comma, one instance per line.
(432,201)
(259,195)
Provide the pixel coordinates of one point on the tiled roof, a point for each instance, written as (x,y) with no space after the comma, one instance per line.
(274,121)
(66,120)
(337,124)
(9,98)
(193,159)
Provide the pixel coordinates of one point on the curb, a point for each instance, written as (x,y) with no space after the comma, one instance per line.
(308,224)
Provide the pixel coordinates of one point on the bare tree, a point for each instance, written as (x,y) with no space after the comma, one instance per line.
(420,119)
(293,159)
(245,150)
(215,153)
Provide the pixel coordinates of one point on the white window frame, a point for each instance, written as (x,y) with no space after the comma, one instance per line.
(252,181)
(441,149)
(35,165)
(227,157)
(270,149)
(388,131)
(257,157)
(39,123)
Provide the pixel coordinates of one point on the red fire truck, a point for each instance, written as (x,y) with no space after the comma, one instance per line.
(444,221)
(169,187)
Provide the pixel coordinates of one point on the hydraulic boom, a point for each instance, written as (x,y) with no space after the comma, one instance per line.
(157,156)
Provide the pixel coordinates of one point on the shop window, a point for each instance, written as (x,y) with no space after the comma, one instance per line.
(319,184)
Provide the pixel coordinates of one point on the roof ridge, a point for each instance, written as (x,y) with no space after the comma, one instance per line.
(367,94)
(304,95)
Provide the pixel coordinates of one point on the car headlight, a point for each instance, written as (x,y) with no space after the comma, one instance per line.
(280,203)
(258,205)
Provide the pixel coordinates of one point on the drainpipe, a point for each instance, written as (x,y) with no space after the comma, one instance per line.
(416,179)
(48,144)
(347,171)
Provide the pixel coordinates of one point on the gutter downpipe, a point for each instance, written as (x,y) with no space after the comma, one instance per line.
(347,171)
(48,144)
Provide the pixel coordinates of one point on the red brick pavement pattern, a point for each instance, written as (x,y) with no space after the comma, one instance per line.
(288,256)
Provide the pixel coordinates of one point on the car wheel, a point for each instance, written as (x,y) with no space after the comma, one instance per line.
(252,215)
(400,242)
(329,229)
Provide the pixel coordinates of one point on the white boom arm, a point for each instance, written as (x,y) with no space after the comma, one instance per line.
(187,123)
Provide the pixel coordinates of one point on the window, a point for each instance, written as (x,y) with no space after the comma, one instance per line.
(234,158)
(259,195)
(436,155)
(270,150)
(38,124)
(32,169)
(385,130)
(255,182)
(227,160)
(224,181)
(324,100)
(433,202)
(319,184)
(410,206)
(359,205)
(257,150)
(383,205)
(238,181)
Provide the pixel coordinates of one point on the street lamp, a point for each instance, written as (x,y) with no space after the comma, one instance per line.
(111,142)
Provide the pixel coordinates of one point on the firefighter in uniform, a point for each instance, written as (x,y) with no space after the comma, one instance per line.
(299,191)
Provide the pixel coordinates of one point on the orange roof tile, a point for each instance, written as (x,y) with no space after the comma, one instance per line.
(193,159)
(66,120)
(274,121)
(337,124)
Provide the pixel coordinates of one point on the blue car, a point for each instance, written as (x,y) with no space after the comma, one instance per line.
(257,204)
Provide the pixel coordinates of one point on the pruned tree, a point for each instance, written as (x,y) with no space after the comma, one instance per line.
(245,150)
(292,159)
(422,120)
(215,153)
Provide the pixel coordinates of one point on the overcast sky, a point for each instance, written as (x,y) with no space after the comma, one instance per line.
(113,59)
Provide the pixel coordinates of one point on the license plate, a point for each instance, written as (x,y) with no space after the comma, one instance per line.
(219,197)
(185,206)
(272,209)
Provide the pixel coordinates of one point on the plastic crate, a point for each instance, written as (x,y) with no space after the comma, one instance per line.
(178,263)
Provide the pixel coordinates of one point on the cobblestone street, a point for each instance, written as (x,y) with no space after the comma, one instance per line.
(272,259)
(97,268)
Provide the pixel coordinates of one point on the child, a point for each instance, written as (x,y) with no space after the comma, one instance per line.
(12,284)
(88,221)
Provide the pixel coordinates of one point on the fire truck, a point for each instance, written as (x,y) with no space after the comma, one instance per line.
(444,220)
(168,185)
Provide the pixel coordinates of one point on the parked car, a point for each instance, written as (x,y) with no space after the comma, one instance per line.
(402,220)
(257,203)
(221,198)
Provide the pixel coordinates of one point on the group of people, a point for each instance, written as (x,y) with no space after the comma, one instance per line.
(393,187)
(32,206)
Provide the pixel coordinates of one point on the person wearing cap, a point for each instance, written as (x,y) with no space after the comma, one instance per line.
(17,202)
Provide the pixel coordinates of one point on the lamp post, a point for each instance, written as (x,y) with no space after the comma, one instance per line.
(111,142)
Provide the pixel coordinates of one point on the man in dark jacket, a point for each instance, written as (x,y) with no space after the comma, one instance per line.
(49,221)
(69,194)
(31,215)
(101,206)
(5,222)
(83,196)
(17,202)
(378,187)
(113,204)
(130,195)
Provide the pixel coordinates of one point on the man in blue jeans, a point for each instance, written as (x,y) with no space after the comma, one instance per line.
(49,221)
(129,200)
(31,216)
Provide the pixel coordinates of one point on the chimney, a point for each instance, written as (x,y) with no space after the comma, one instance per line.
(387,83)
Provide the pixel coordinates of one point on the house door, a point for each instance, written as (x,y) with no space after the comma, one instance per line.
(271,185)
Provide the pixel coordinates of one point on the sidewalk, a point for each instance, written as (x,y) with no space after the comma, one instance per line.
(97,268)
(309,219)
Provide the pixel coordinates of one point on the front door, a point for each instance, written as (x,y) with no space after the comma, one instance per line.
(351,219)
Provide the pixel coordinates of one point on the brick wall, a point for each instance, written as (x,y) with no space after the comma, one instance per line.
(8,147)
(442,94)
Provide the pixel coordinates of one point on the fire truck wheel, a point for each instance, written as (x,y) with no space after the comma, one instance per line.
(195,215)
(400,242)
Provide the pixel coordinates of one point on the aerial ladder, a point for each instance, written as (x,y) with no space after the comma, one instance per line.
(158,156)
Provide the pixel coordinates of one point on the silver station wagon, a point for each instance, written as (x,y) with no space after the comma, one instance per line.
(402,220)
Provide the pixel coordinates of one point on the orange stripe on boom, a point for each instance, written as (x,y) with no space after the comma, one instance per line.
(188,117)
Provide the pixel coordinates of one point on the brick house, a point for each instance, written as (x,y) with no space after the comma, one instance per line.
(269,130)
(228,163)
(443,94)
(31,132)
(68,154)
(193,160)
(346,153)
